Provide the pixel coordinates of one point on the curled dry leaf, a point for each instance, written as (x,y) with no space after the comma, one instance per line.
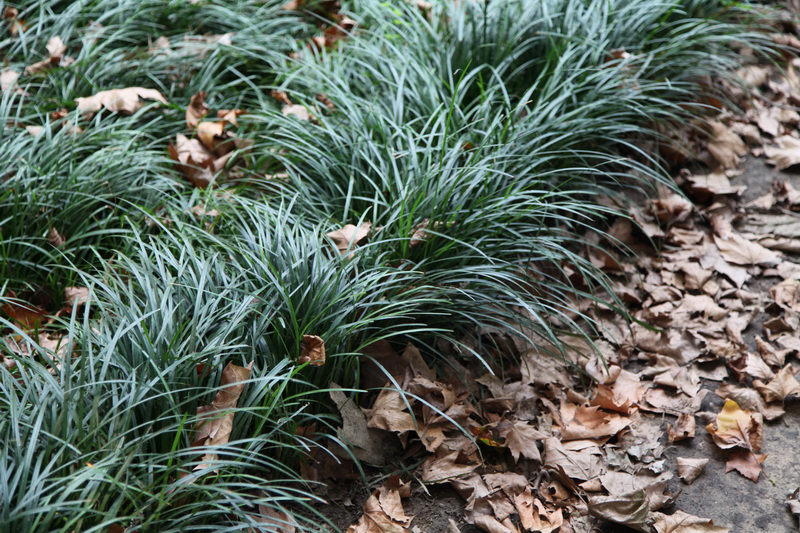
(725,147)
(197,110)
(195,161)
(312,351)
(590,422)
(784,385)
(690,469)
(389,412)
(349,236)
(742,430)
(383,511)
(749,399)
(55,238)
(684,428)
(215,421)
(128,100)
(55,50)
(631,509)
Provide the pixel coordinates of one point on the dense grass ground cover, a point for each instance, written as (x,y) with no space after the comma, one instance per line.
(493,126)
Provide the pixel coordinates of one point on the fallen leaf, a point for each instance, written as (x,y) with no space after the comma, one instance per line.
(749,399)
(582,465)
(445,465)
(55,238)
(367,444)
(746,463)
(349,236)
(312,351)
(128,100)
(784,384)
(277,520)
(740,251)
(630,509)
(786,154)
(684,428)
(8,79)
(197,110)
(690,469)
(520,438)
(389,412)
(76,296)
(591,422)
(214,429)
(195,160)
(681,522)
(383,511)
(298,111)
(725,146)
(736,428)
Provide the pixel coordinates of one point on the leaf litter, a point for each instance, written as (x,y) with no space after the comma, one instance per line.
(533,454)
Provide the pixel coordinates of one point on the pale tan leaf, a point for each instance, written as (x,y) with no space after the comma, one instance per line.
(128,100)
(784,384)
(740,251)
(690,469)
(681,522)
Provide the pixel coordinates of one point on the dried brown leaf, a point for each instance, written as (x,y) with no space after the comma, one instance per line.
(312,351)
(690,469)
(197,110)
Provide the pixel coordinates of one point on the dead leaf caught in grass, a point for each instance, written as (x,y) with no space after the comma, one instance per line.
(127,101)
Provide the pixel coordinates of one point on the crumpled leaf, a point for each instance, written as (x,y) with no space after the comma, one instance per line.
(349,236)
(684,428)
(213,429)
(583,464)
(127,101)
(725,146)
(631,509)
(690,469)
(591,422)
(784,384)
(195,160)
(55,50)
(383,511)
(312,351)
(197,110)
(786,154)
(389,412)
(735,428)
(742,430)
(681,522)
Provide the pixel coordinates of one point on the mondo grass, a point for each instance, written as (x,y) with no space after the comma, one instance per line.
(475,140)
